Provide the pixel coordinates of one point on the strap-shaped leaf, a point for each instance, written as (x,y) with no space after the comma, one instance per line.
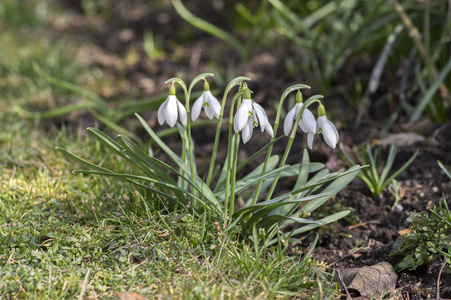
(118,149)
(269,204)
(143,178)
(148,161)
(206,192)
(324,221)
(337,185)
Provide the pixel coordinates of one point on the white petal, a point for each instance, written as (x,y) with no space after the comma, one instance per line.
(170,112)
(247,131)
(269,129)
(288,123)
(241,116)
(161,112)
(308,122)
(208,110)
(298,107)
(262,117)
(310,137)
(215,105)
(197,107)
(335,129)
(329,133)
(319,124)
(182,112)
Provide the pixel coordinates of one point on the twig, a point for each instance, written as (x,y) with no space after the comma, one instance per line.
(363,224)
(85,284)
(438,278)
(348,297)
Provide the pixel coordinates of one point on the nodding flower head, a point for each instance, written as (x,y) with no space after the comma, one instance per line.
(170,110)
(307,123)
(326,128)
(208,102)
(250,115)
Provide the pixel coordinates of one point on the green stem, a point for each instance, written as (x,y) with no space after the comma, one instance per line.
(307,103)
(276,126)
(232,84)
(231,153)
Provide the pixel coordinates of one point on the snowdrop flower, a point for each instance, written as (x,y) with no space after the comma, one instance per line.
(324,126)
(307,122)
(208,102)
(171,109)
(250,115)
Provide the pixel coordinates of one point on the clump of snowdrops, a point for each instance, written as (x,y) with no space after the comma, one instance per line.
(216,192)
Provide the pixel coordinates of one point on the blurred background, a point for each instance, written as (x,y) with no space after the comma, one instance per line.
(383,63)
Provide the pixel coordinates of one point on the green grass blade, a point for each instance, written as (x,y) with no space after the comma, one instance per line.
(373,164)
(431,92)
(207,27)
(411,159)
(101,105)
(442,166)
(57,112)
(389,162)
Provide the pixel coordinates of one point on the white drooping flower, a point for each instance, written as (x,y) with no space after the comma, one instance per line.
(209,102)
(307,123)
(170,110)
(324,126)
(250,115)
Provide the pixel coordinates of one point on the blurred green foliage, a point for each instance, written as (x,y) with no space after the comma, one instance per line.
(408,45)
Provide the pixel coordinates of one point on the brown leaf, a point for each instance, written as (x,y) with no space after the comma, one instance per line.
(369,281)
(131,296)
(403,231)
(400,139)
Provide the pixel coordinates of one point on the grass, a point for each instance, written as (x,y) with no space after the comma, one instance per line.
(58,229)
(73,236)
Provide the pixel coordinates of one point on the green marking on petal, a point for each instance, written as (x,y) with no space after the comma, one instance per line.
(206,104)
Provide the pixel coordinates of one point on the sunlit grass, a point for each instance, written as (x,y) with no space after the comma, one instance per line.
(65,235)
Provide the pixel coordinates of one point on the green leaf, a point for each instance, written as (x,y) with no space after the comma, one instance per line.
(206,192)
(207,27)
(431,92)
(337,185)
(442,166)
(411,159)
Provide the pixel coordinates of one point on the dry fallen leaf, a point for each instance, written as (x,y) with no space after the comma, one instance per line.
(369,281)
(400,139)
(403,231)
(131,296)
